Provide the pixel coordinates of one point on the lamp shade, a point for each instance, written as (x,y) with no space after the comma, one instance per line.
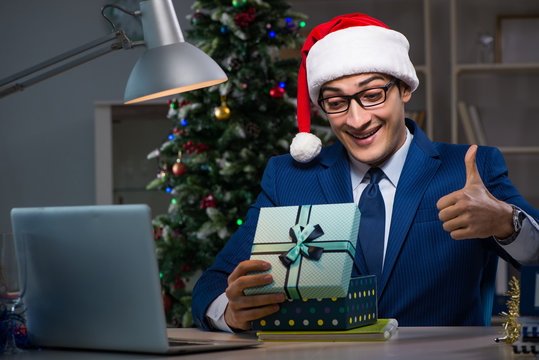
(169,65)
(169,70)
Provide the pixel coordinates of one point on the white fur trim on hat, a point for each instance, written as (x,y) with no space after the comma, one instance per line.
(356,50)
(305,147)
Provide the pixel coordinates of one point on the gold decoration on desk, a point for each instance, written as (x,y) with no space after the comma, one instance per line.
(511,326)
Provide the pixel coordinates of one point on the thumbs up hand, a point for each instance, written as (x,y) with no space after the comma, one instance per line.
(472,212)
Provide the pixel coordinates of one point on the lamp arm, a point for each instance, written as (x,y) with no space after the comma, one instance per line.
(123,43)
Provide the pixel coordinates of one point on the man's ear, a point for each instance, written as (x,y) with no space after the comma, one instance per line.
(406,92)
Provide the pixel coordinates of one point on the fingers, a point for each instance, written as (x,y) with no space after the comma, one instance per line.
(447,201)
(248,266)
(241,309)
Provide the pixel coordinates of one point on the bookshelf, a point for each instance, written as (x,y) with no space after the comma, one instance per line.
(503,92)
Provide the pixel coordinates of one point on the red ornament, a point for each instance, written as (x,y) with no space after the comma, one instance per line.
(244,19)
(179,169)
(158,233)
(198,148)
(277,92)
(178,284)
(208,201)
(167,302)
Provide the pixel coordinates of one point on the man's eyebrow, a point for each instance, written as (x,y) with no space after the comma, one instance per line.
(368,80)
(362,83)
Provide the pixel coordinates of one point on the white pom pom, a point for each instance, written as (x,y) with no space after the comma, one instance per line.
(305,147)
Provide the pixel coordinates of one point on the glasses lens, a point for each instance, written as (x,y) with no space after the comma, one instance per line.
(372,97)
(334,104)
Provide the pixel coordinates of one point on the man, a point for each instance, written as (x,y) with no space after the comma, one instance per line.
(447,211)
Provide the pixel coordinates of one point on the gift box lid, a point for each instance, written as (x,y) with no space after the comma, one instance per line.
(311,249)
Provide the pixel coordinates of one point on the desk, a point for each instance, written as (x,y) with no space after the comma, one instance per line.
(416,343)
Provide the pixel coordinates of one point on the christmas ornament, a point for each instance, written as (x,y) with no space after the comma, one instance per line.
(179,168)
(244,19)
(222,112)
(178,283)
(252,129)
(190,147)
(167,302)
(277,92)
(208,201)
(225,29)
(238,3)
(234,64)
(198,17)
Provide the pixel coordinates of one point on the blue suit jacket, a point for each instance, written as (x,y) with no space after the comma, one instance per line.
(428,277)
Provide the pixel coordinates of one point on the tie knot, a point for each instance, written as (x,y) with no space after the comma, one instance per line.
(376,174)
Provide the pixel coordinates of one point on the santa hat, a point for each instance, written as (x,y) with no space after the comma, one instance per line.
(347,45)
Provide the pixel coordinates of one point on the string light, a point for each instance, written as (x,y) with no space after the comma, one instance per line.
(171,137)
(169,189)
(239,222)
(288,20)
(302,24)
(184,122)
(272,34)
(282,85)
(174,201)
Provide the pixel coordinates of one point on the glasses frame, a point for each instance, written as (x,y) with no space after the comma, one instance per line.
(357,96)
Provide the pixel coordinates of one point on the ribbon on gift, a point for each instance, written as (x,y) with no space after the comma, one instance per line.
(301,236)
(303,233)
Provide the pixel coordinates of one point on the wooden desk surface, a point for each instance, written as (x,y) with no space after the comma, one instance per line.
(417,343)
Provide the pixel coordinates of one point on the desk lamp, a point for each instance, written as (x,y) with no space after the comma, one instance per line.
(168,66)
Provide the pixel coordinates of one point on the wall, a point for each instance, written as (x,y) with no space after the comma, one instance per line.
(46,131)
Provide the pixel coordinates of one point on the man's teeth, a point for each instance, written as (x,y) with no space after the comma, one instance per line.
(366,135)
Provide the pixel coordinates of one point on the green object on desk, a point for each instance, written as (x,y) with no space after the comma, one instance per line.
(382,330)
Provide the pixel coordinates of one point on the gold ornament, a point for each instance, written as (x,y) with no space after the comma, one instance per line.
(222,112)
(511,326)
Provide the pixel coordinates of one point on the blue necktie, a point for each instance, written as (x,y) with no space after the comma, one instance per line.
(372,223)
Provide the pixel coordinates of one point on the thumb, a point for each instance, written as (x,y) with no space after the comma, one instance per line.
(472,175)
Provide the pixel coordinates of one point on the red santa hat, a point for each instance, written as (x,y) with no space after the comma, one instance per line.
(348,44)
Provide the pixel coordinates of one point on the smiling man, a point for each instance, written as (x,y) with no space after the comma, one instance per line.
(434,217)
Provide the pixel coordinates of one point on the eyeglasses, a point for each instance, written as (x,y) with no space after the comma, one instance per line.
(365,98)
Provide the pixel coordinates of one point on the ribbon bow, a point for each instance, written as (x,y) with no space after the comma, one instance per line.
(301,236)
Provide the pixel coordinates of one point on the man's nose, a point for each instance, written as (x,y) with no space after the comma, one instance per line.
(357,115)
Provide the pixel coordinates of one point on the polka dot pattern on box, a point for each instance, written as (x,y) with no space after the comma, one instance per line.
(358,308)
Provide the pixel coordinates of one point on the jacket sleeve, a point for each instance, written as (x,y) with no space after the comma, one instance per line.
(214,280)
(495,177)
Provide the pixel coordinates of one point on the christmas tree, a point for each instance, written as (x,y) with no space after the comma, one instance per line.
(221,137)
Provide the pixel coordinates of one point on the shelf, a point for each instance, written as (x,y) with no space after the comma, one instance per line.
(510,150)
(422,69)
(496,67)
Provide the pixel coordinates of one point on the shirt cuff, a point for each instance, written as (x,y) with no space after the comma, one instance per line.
(525,247)
(216,313)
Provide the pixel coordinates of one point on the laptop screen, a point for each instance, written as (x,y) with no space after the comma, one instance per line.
(92,278)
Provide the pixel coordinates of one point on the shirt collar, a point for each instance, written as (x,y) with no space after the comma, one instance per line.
(392,167)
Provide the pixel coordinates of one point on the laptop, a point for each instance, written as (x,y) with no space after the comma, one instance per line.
(92,280)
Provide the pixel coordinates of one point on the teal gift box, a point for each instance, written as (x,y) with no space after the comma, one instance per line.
(358,308)
(311,249)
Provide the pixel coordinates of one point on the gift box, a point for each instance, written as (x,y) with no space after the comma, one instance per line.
(357,308)
(311,249)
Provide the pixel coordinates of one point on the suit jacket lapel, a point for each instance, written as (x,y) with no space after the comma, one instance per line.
(420,166)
